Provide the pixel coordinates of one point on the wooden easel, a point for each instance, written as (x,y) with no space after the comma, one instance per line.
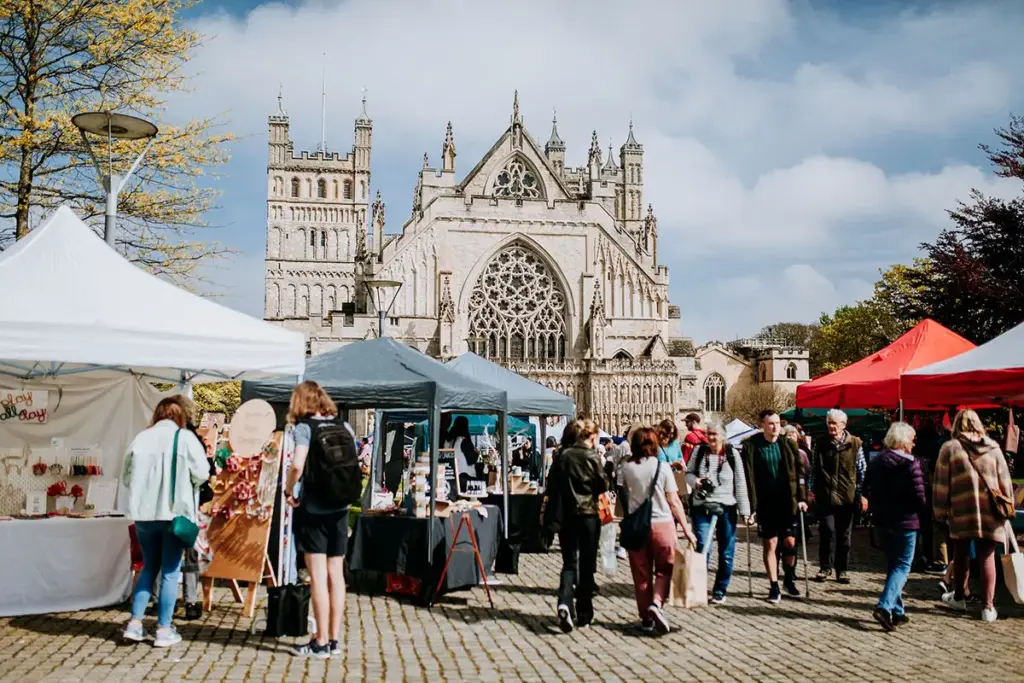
(249,601)
(464,521)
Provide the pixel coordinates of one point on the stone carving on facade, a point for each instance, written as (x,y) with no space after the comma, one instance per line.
(446,309)
(596,325)
(516,181)
(448,150)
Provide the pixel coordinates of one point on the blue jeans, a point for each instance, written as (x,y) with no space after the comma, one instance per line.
(161,555)
(725,537)
(898,545)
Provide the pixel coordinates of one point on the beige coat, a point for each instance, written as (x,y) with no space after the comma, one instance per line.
(959,496)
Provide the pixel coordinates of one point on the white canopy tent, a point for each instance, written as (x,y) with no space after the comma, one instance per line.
(738,430)
(87,333)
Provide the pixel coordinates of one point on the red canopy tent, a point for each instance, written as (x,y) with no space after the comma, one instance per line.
(875,381)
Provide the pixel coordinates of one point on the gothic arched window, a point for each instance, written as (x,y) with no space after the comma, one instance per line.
(321,188)
(347,189)
(295,187)
(518,308)
(516,180)
(714,393)
(791,371)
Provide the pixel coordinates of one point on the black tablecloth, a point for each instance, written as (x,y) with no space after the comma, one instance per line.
(399,545)
(524,530)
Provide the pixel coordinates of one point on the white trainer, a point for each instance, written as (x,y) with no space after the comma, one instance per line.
(166,636)
(134,632)
(950,600)
(989,615)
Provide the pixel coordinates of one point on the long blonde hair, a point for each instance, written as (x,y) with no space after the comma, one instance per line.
(309,398)
(967,425)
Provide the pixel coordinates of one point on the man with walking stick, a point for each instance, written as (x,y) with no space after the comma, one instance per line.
(775,478)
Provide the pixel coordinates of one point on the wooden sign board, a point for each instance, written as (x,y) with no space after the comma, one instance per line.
(243,504)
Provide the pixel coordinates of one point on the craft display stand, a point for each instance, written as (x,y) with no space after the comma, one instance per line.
(248,602)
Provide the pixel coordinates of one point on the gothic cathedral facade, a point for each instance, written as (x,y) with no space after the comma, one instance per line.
(550,270)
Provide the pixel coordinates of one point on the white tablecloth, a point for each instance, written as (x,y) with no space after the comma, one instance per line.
(63,565)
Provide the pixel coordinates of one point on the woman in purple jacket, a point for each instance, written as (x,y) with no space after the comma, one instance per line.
(895,490)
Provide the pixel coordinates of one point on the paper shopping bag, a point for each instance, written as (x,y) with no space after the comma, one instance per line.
(1013,566)
(689,579)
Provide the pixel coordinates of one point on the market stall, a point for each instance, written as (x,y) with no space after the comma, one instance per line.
(80,346)
(526,398)
(388,375)
(876,381)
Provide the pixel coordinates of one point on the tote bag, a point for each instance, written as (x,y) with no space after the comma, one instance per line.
(1013,566)
(288,610)
(635,528)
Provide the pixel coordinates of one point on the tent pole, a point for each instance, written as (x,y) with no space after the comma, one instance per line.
(434,426)
(901,410)
(503,441)
(543,447)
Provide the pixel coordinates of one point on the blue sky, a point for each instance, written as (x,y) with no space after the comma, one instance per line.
(792,148)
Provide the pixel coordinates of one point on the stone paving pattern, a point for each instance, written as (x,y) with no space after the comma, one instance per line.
(830,637)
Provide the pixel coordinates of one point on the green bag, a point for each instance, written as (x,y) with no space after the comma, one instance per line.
(183,528)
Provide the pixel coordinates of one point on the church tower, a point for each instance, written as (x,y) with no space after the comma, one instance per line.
(554,149)
(632,156)
(280,146)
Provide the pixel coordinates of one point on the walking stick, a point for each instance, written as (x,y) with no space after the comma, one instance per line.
(803,542)
(750,578)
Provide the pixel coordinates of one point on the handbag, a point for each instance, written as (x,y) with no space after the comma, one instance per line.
(1003,505)
(606,507)
(288,610)
(183,528)
(1013,566)
(635,528)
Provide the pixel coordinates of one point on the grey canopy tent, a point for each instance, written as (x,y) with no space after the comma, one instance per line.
(525,397)
(387,374)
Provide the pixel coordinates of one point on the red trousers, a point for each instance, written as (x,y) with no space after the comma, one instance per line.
(652,567)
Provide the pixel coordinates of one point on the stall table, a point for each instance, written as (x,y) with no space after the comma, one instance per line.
(524,531)
(398,545)
(63,564)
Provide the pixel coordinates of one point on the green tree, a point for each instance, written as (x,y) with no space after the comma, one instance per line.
(792,334)
(62,57)
(850,334)
(222,397)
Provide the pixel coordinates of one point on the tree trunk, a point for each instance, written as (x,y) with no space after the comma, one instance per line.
(25,170)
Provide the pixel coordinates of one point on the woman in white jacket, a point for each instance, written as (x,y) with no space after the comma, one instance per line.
(147,476)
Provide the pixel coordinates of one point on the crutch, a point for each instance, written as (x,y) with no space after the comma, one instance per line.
(750,577)
(803,542)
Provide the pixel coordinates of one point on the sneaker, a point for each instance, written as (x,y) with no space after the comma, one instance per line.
(935,568)
(944,588)
(884,619)
(166,636)
(565,619)
(621,553)
(193,611)
(647,628)
(333,647)
(900,620)
(717,599)
(823,574)
(843,578)
(989,615)
(791,589)
(661,625)
(950,600)
(774,594)
(312,649)
(134,632)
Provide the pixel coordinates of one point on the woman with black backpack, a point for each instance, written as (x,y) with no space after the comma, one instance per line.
(716,477)
(327,462)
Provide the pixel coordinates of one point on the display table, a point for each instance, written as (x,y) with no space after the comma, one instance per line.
(62,565)
(524,530)
(398,545)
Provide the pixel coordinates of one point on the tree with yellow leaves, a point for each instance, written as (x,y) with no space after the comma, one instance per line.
(62,57)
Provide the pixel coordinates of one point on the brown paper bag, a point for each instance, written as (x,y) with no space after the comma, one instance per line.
(689,579)
(682,485)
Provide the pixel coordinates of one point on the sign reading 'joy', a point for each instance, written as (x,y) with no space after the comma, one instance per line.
(23,405)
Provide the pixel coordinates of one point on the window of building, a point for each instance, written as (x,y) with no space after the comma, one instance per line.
(321,188)
(714,393)
(791,371)
(295,187)
(323,239)
(312,238)
(348,189)
(517,181)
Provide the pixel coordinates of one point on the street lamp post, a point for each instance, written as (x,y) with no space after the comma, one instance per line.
(377,289)
(111,126)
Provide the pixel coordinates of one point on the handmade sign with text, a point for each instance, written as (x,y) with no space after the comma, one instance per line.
(24,405)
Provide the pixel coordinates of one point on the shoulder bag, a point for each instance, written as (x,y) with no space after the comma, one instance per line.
(635,527)
(1004,506)
(183,528)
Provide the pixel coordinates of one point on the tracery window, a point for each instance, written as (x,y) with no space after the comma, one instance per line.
(714,393)
(516,180)
(518,308)
(321,188)
(791,371)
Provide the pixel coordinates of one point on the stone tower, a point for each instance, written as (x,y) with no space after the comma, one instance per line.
(554,149)
(316,204)
(632,161)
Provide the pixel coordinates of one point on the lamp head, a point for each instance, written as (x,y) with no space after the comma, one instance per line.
(120,126)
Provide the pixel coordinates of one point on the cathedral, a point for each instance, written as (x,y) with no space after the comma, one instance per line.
(548,269)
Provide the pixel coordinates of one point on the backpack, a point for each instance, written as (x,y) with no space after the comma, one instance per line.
(333,475)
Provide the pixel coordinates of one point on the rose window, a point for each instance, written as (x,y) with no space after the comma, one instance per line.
(517,309)
(516,181)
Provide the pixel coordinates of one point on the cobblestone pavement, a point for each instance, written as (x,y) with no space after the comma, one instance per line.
(830,637)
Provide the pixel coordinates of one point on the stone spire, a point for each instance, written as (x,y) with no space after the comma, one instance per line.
(280,102)
(631,143)
(378,227)
(516,119)
(554,142)
(448,151)
(610,164)
(517,123)
(363,116)
(594,158)
(649,235)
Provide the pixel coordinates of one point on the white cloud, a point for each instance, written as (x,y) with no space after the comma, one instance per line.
(753,143)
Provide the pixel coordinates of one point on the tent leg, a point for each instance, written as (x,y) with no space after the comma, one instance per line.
(543,447)
(503,445)
(901,410)
(434,426)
